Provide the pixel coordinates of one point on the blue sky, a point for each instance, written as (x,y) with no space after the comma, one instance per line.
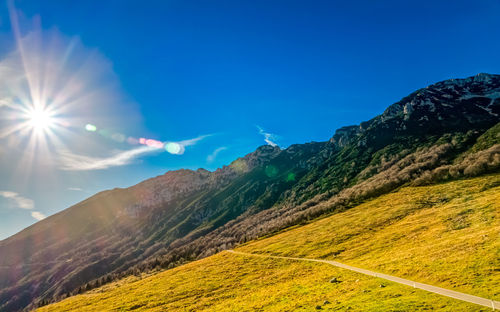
(225,72)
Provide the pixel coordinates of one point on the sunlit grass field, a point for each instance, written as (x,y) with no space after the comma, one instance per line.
(446,235)
(228,282)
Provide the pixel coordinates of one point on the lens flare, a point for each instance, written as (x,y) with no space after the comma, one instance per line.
(132,141)
(290,177)
(154,143)
(271,171)
(173,148)
(118,137)
(90,128)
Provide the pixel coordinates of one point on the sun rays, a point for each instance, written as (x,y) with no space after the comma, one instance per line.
(50,86)
(62,109)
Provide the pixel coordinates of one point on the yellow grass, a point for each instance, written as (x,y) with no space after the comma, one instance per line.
(446,235)
(228,282)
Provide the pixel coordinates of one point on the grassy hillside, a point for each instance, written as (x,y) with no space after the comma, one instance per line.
(227,282)
(445,234)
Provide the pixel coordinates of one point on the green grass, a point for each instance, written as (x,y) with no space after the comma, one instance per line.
(446,235)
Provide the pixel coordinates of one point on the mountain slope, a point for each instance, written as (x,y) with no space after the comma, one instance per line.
(186,214)
(444,235)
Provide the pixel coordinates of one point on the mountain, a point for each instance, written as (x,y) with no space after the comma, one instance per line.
(444,235)
(445,131)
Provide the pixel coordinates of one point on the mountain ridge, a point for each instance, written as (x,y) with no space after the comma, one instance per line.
(186,214)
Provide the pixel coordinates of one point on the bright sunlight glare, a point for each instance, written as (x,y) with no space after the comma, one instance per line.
(40,119)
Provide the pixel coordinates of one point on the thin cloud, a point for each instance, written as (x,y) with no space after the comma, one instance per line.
(193,141)
(78,189)
(38,215)
(4,102)
(22,203)
(75,162)
(18,200)
(268,137)
(211,157)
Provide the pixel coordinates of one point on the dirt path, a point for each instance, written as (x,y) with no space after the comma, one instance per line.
(437,290)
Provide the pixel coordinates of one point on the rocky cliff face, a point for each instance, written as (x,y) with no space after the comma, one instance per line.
(451,105)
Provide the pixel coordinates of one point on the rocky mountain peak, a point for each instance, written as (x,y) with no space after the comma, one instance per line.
(481,91)
(447,105)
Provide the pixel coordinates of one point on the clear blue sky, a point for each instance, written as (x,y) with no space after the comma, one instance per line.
(183,69)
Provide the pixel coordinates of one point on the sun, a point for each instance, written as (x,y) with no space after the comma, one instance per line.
(40,119)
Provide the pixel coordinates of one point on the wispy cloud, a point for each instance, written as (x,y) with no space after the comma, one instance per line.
(268,137)
(74,162)
(211,157)
(193,141)
(4,102)
(21,202)
(78,189)
(18,200)
(38,215)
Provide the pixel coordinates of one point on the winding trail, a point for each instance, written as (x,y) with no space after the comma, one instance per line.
(437,290)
